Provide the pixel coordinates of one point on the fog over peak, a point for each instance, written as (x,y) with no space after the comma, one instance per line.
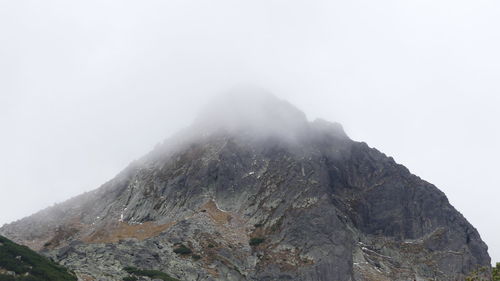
(251,110)
(87,86)
(250,114)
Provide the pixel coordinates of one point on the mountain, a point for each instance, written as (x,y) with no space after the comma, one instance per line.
(254,191)
(19,263)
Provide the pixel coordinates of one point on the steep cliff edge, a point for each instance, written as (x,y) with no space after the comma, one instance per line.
(253,191)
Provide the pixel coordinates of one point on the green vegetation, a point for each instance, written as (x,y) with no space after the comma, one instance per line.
(153,274)
(257,225)
(28,265)
(182,250)
(256,241)
(496,272)
(196,257)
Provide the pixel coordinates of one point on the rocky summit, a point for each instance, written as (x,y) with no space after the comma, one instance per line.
(254,191)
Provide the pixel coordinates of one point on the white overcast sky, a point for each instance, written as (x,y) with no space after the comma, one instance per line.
(88,86)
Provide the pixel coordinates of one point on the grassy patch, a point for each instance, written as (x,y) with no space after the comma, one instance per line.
(24,261)
(256,241)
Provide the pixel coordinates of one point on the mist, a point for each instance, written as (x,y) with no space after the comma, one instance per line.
(87,87)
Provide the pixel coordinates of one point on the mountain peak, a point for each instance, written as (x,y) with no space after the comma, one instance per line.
(224,207)
(256,112)
(259,114)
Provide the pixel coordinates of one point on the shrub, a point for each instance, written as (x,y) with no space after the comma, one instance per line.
(182,250)
(22,260)
(196,257)
(496,272)
(256,241)
(130,278)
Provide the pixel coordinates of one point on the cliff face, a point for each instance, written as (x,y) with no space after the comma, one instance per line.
(267,196)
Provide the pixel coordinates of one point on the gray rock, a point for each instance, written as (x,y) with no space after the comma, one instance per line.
(326,207)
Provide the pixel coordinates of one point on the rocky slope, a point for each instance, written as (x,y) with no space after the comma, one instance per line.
(253,191)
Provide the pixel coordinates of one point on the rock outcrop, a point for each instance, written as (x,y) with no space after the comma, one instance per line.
(253,191)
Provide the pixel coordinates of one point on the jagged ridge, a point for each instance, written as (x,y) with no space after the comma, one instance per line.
(324,207)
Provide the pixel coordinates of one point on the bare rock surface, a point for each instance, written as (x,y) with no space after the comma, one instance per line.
(256,192)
